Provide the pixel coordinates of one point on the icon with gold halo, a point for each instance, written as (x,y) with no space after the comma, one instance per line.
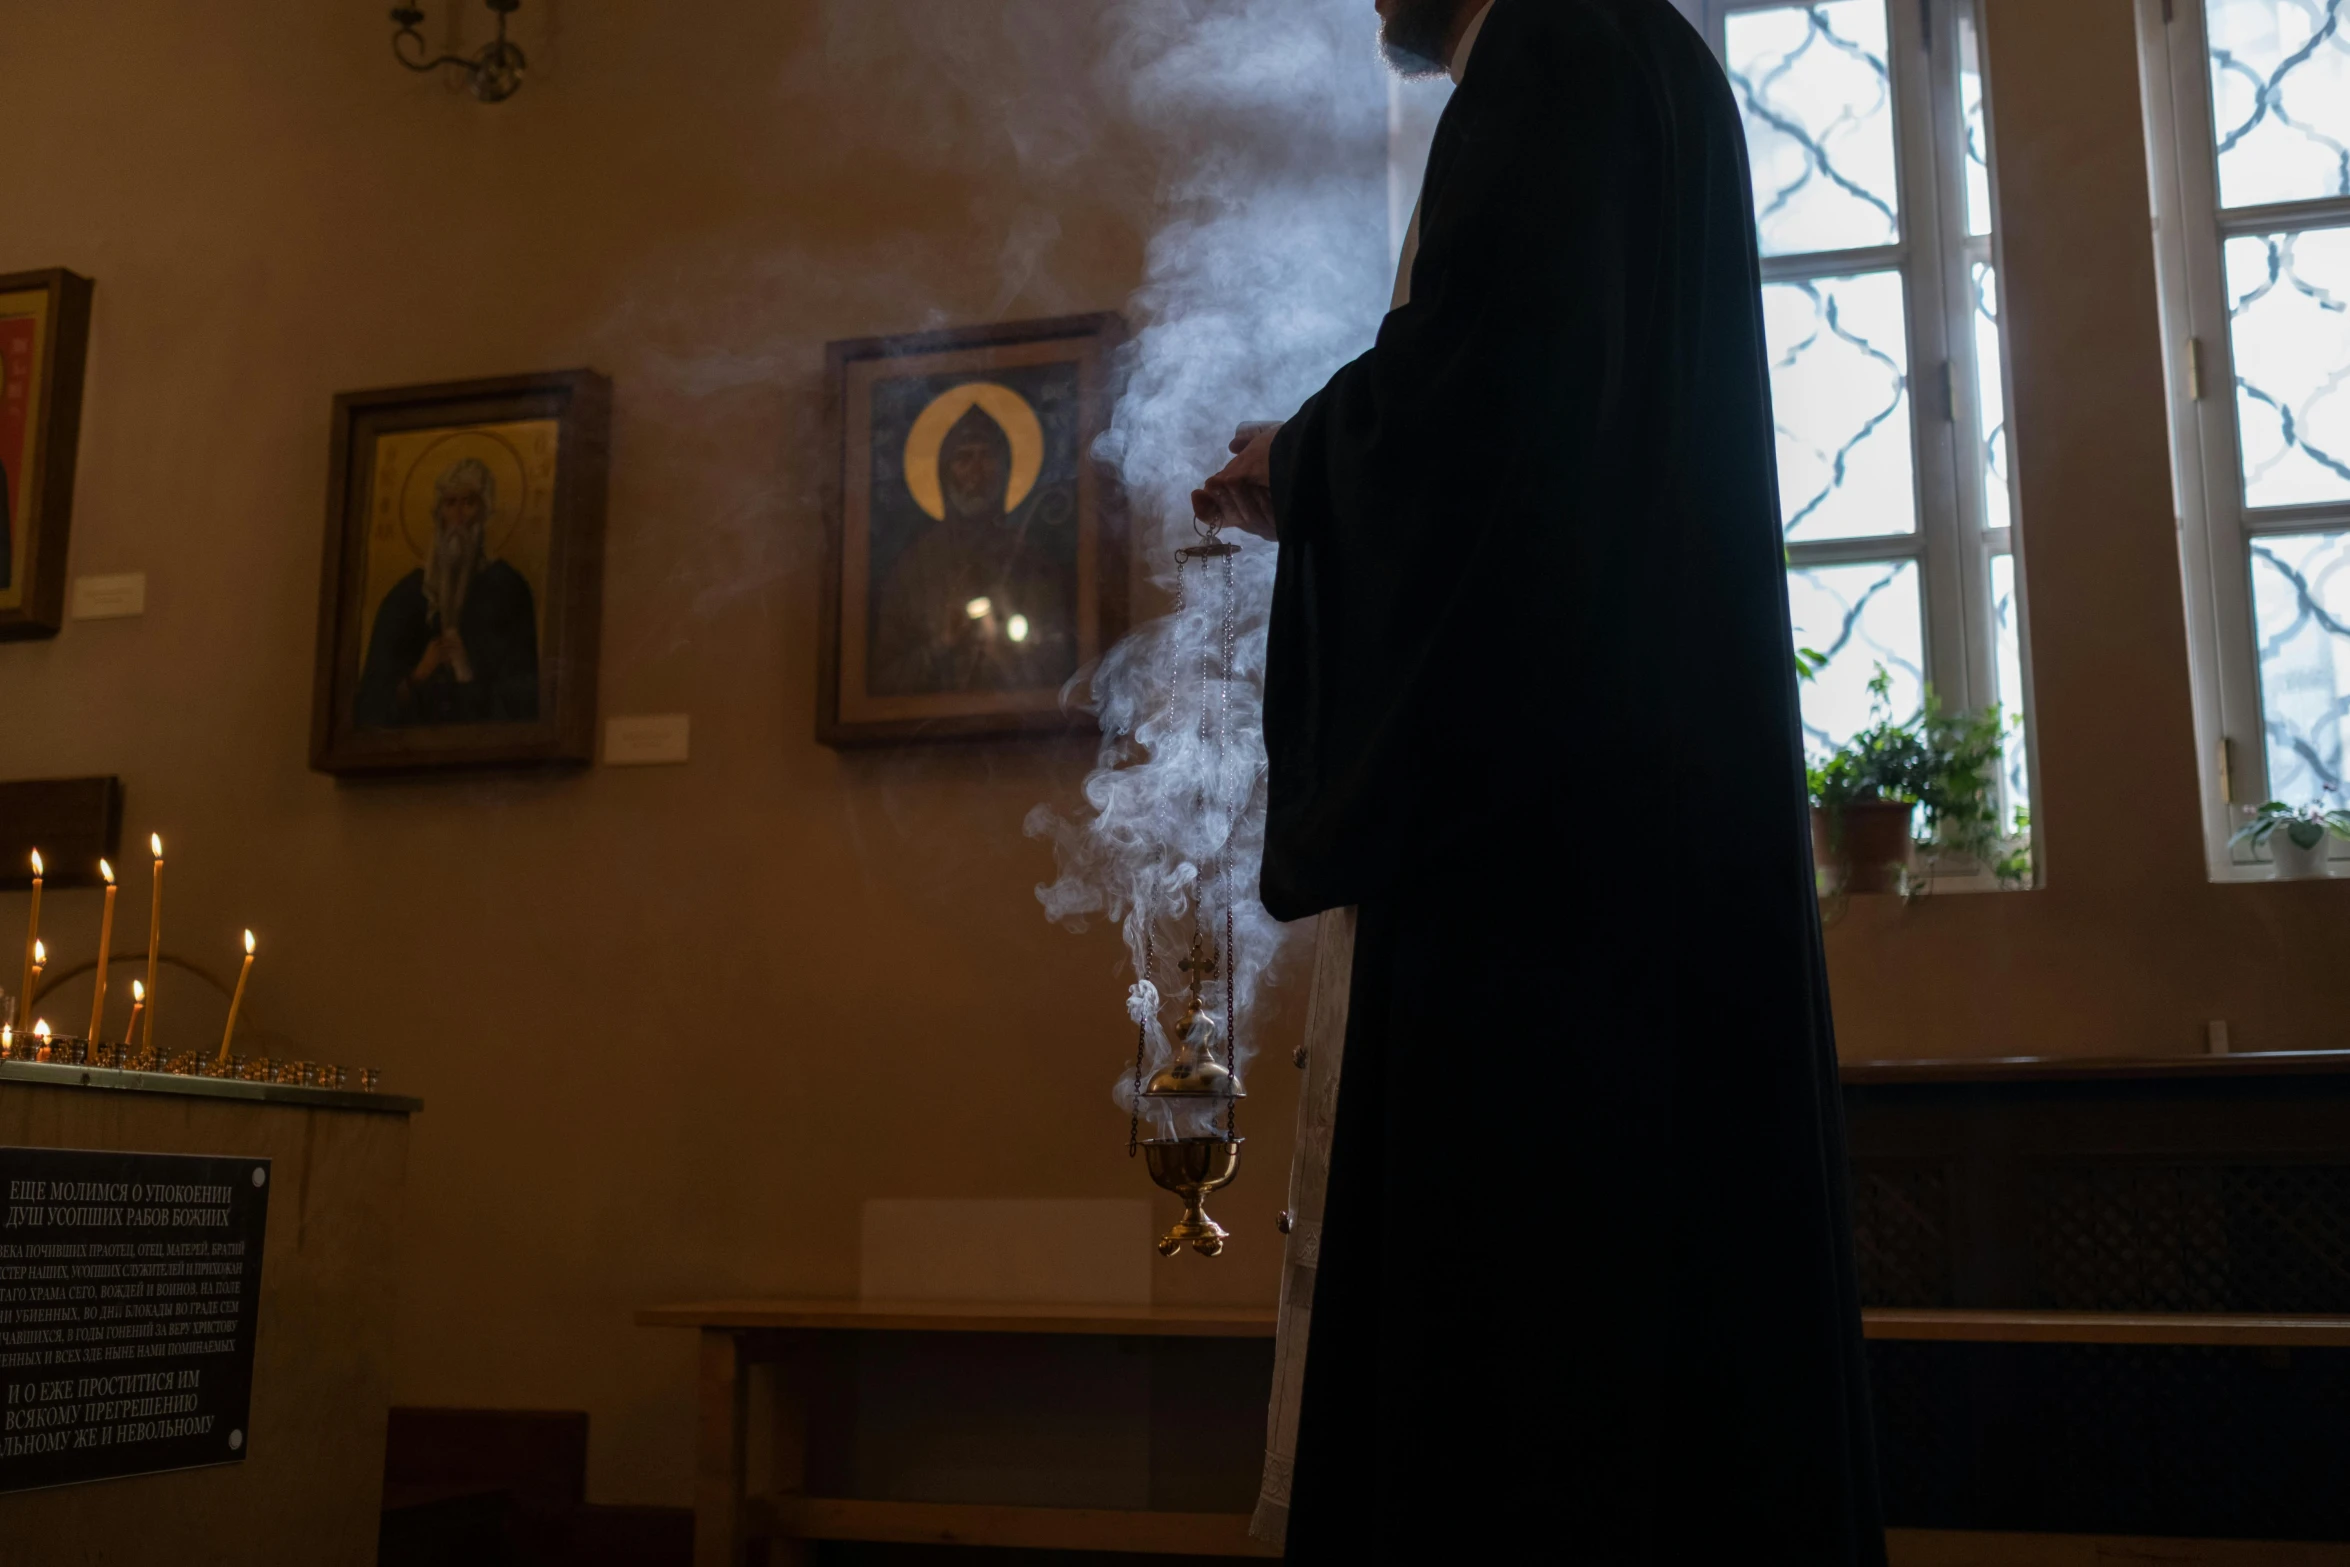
(456,575)
(980,592)
(976,561)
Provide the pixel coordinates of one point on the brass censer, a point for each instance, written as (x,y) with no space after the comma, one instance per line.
(1194,1090)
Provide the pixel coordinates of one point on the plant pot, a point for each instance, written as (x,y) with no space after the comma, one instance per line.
(1863,845)
(2294,863)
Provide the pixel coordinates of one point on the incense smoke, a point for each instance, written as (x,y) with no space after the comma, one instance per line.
(1269,268)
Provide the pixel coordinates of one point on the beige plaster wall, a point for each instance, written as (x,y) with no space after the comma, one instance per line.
(675,1025)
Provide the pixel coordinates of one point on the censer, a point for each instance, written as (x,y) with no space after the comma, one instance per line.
(1195,1157)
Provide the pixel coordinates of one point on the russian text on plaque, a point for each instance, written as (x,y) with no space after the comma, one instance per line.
(129,1284)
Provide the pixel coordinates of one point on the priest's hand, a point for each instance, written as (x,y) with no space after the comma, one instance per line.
(1240,495)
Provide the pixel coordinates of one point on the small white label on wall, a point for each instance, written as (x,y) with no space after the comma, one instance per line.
(646,740)
(110,598)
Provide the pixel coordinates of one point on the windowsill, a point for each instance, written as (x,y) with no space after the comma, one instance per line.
(2261,873)
(1965,876)
(1944,883)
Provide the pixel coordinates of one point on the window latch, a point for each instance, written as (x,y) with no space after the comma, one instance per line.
(2194,369)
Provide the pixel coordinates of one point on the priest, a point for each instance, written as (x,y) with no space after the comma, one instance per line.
(1585,1288)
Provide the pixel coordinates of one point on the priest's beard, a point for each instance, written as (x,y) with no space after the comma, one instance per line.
(456,552)
(1412,36)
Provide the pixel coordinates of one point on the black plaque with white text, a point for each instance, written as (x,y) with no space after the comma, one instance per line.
(129,1283)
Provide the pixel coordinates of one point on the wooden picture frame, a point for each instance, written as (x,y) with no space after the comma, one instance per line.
(44,347)
(954,609)
(489,495)
(73,822)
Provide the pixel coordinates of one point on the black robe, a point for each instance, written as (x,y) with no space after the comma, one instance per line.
(1586,1289)
(499,626)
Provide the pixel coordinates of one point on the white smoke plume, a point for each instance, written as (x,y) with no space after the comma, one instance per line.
(1269,267)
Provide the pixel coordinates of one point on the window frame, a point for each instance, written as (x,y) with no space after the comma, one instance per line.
(2217,529)
(1953,543)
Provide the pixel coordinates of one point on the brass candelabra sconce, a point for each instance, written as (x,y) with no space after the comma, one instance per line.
(493,72)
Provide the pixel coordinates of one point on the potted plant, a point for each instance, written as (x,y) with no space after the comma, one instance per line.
(2295,836)
(1867,796)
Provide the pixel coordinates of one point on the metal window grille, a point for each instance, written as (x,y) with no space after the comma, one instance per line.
(1870,140)
(2248,103)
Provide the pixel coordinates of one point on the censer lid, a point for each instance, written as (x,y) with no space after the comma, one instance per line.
(1192,1080)
(1195,1072)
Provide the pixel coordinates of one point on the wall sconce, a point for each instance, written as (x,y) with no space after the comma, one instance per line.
(494,74)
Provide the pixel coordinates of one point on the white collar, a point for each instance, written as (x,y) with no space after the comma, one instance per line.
(1459,66)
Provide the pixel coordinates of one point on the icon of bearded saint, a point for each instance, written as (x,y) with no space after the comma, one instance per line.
(456,640)
(974,603)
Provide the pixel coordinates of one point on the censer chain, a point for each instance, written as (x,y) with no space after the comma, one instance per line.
(1142,1030)
(1224,875)
(1142,1025)
(1215,732)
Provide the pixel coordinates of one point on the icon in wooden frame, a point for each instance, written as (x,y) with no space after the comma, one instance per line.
(461,597)
(975,550)
(44,345)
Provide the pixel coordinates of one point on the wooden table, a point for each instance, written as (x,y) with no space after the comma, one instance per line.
(799,1338)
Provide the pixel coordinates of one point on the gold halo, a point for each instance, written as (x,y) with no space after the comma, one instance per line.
(1007,408)
(424,474)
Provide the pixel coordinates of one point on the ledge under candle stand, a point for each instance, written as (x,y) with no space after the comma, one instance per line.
(303,1489)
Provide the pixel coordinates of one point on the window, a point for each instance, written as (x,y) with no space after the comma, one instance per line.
(1866,130)
(2248,103)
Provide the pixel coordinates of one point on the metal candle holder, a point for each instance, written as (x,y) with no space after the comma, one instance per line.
(122,1056)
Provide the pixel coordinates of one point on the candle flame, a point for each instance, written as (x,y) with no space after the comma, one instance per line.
(138,990)
(248,943)
(41,1029)
(36,862)
(155,843)
(106,871)
(40,953)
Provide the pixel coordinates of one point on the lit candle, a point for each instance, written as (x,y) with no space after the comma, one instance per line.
(33,975)
(237,1000)
(32,940)
(138,1004)
(41,1039)
(154,929)
(105,942)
